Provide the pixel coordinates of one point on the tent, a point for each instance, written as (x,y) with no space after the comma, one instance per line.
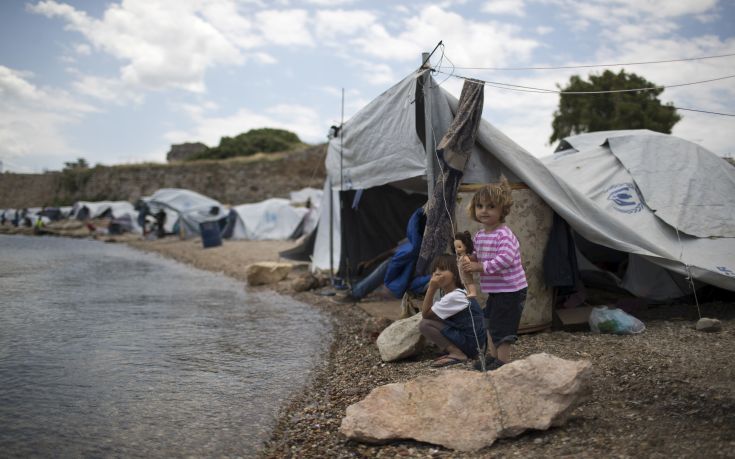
(379,147)
(185,210)
(275,218)
(114,210)
(272,219)
(676,196)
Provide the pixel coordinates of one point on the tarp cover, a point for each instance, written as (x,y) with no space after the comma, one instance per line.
(685,185)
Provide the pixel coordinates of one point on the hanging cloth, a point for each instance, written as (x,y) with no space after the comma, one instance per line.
(454,152)
(459,139)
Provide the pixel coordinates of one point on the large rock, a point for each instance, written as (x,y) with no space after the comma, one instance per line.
(401,339)
(267,272)
(467,410)
(706,324)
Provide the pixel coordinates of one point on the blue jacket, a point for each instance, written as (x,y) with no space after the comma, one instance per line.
(399,276)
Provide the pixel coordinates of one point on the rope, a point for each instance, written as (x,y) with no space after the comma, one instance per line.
(565,67)
(688,270)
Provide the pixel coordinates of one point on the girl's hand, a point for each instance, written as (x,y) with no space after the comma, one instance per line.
(471,266)
(434,281)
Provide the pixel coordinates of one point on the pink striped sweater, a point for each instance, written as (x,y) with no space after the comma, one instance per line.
(500,255)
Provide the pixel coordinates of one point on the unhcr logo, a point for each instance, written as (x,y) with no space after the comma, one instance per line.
(624,198)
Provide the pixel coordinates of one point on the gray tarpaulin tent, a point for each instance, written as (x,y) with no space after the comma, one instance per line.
(186,209)
(379,145)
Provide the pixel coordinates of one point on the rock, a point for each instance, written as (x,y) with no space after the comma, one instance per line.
(468,410)
(706,324)
(400,339)
(267,272)
(305,282)
(184,151)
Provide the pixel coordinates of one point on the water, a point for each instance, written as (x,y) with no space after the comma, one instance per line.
(107,351)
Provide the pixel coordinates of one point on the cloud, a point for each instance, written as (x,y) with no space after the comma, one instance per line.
(330,24)
(302,120)
(470,42)
(161,44)
(287,27)
(509,7)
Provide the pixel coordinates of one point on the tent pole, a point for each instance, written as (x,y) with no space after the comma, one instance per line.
(424,124)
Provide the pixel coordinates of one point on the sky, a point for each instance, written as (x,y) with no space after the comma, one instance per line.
(121,81)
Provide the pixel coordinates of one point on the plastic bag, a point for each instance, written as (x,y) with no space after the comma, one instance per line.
(615,321)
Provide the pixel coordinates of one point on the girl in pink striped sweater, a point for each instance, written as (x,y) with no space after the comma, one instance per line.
(498,260)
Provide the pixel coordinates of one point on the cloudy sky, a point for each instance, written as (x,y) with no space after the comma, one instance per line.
(120,81)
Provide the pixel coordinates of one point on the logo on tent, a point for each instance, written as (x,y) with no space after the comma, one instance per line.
(726,271)
(624,198)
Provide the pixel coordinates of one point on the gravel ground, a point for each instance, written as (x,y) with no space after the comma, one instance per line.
(668,392)
(665,393)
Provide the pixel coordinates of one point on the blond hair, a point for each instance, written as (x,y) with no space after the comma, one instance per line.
(496,194)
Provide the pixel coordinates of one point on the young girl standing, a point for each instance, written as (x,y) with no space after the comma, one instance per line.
(454,322)
(498,260)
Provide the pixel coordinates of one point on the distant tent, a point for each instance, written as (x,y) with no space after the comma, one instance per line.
(272,219)
(84,210)
(185,210)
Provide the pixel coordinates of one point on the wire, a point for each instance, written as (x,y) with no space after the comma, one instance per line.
(515,87)
(562,67)
(704,111)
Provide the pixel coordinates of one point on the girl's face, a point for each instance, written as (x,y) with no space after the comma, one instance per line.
(444,279)
(488,214)
(459,247)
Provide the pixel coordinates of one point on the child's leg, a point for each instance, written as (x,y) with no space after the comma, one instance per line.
(472,290)
(432,330)
(503,352)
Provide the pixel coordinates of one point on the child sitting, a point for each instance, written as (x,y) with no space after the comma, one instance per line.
(454,323)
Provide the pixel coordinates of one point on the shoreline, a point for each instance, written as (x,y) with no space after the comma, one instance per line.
(666,392)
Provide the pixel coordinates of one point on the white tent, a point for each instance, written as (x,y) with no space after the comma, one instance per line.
(379,145)
(272,219)
(186,208)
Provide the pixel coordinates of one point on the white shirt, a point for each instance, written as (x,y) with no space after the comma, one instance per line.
(450,304)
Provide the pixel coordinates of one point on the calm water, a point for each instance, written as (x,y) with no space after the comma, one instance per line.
(107,351)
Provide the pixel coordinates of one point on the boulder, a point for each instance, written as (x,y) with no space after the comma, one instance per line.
(469,410)
(267,272)
(706,324)
(401,339)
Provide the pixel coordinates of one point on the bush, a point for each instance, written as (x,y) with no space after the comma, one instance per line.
(265,140)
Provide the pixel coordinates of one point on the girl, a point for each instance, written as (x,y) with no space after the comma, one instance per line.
(454,323)
(464,248)
(501,273)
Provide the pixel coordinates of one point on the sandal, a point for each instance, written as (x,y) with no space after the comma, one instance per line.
(445,362)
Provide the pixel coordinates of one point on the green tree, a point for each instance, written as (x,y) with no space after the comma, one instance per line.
(265,140)
(578,113)
(80,163)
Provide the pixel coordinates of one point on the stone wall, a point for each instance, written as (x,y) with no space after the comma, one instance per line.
(233,181)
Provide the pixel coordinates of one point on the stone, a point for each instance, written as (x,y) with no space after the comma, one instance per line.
(305,282)
(184,151)
(706,324)
(401,339)
(267,272)
(468,410)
